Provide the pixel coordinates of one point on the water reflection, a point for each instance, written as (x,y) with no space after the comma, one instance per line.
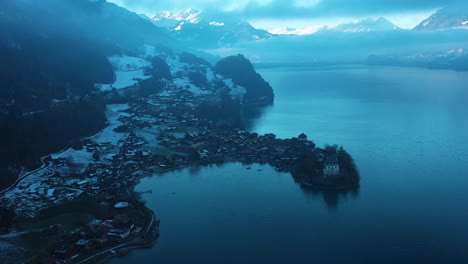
(252,115)
(331,198)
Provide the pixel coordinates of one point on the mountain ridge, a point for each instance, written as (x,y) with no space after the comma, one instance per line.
(452,17)
(365,25)
(216,30)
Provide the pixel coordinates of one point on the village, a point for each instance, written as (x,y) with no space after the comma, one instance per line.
(156,134)
(154,140)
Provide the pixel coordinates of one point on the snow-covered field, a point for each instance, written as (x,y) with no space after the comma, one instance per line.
(148,135)
(29,184)
(108,135)
(236,91)
(128,72)
(127,63)
(75,156)
(210,75)
(175,65)
(149,51)
(184,83)
(114,111)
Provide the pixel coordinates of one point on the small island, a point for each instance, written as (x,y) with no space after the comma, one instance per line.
(328,168)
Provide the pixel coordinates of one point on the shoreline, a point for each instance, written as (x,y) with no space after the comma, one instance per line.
(138,179)
(156,142)
(272,158)
(125,249)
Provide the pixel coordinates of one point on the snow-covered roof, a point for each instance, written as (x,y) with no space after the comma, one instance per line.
(121,205)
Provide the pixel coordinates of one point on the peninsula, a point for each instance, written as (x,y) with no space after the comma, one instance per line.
(82,199)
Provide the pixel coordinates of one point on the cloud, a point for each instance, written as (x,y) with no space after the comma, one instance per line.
(364,7)
(152,6)
(281,9)
(337,8)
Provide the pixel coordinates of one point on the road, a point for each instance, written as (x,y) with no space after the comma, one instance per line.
(103,252)
(147,230)
(17,234)
(44,166)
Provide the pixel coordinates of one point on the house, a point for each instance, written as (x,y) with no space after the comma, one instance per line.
(83,183)
(50,192)
(137,230)
(106,225)
(66,253)
(84,244)
(302,137)
(119,233)
(102,238)
(93,224)
(121,205)
(331,167)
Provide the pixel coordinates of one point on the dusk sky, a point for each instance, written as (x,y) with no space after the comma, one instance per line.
(296,13)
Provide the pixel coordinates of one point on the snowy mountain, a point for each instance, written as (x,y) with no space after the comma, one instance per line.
(204,30)
(366,25)
(447,18)
(167,19)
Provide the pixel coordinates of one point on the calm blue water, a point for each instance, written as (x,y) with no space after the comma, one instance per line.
(408,132)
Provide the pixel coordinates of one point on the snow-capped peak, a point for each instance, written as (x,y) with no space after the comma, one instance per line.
(452,17)
(162,15)
(179,27)
(189,15)
(212,29)
(366,25)
(168,19)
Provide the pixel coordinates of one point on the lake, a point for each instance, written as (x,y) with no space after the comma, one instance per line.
(407,131)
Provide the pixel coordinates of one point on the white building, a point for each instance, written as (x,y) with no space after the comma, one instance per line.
(331,167)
